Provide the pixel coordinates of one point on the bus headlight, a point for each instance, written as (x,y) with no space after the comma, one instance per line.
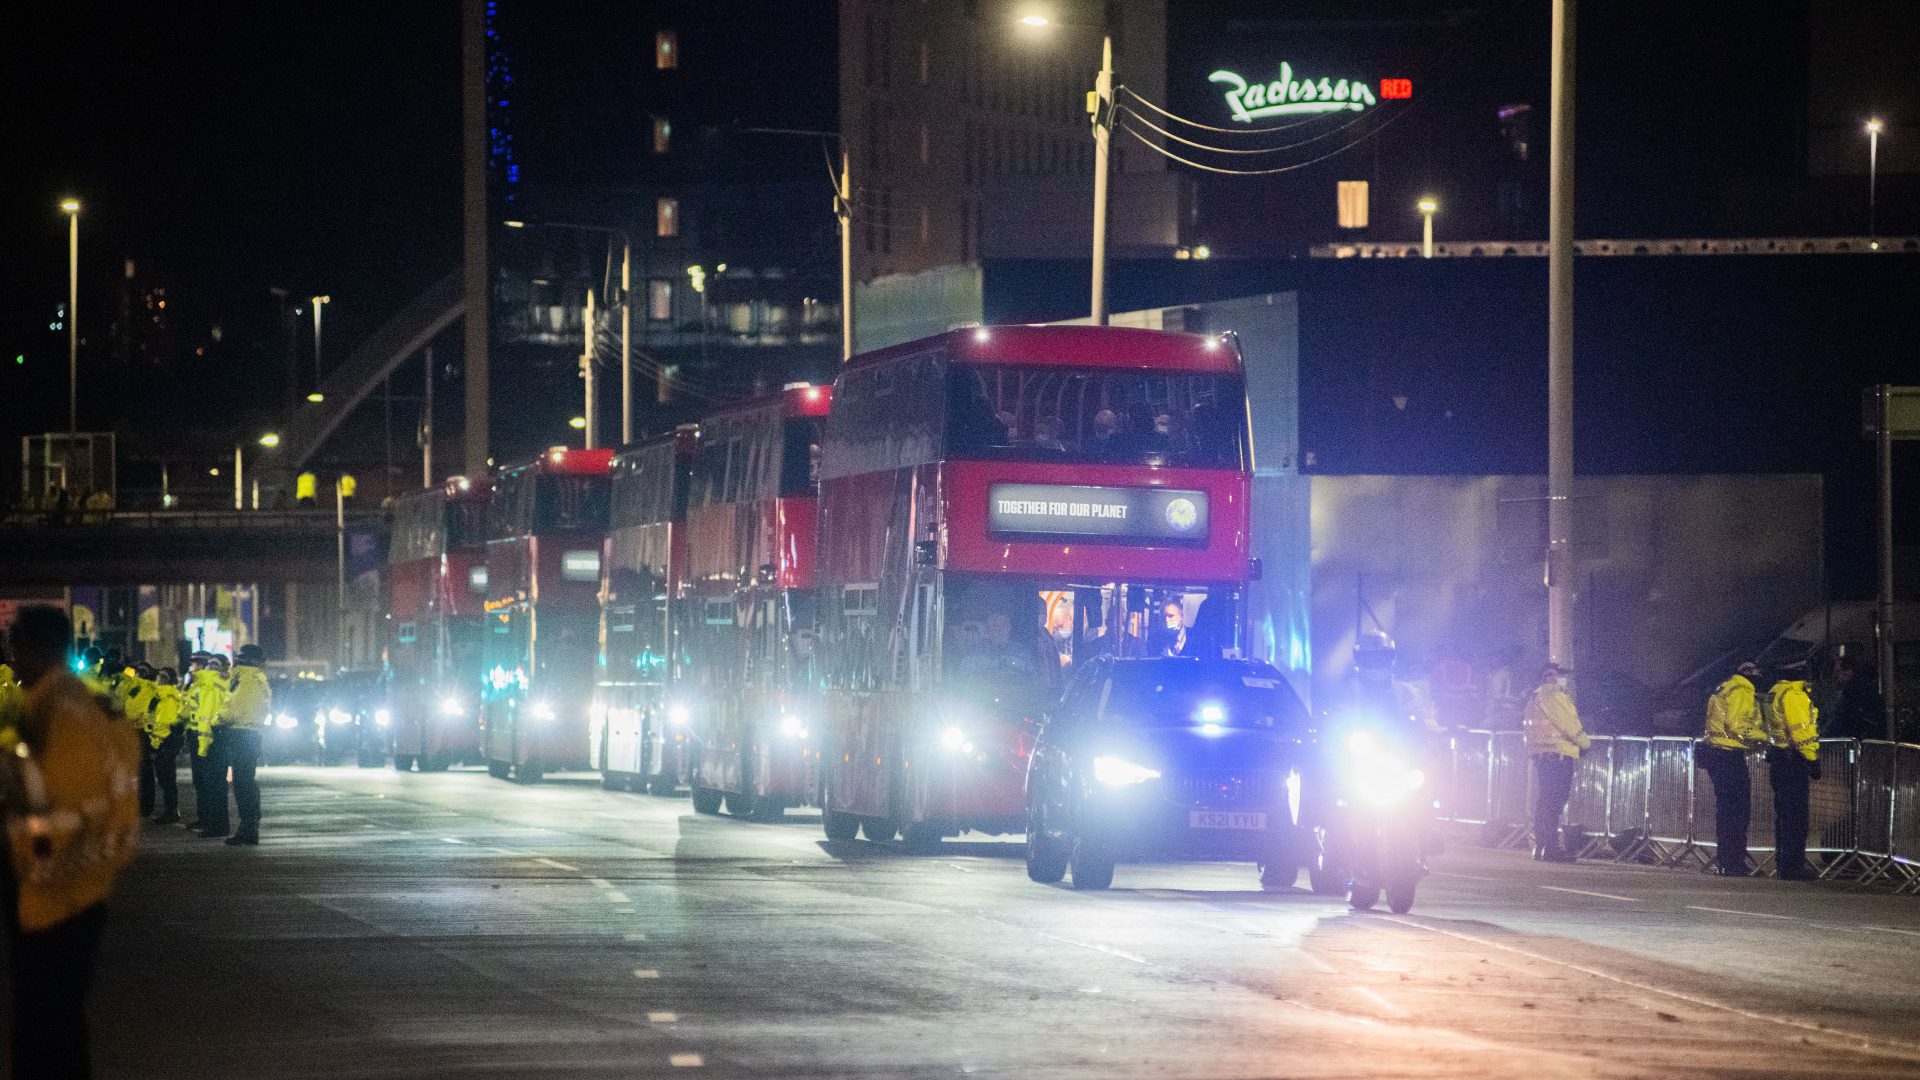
(679,715)
(792,728)
(450,706)
(382,717)
(542,711)
(339,716)
(285,721)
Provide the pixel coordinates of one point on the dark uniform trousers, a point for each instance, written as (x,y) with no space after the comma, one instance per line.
(1787,770)
(211,785)
(52,970)
(1732,804)
(159,771)
(1553,786)
(242,753)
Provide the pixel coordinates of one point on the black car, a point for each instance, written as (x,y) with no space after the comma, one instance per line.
(1170,758)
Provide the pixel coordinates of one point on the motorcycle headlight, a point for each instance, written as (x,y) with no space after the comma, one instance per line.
(1376,775)
(1119,772)
(954,740)
(382,717)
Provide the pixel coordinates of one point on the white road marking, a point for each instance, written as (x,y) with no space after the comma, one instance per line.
(508,852)
(685,1061)
(1601,895)
(453,840)
(1377,999)
(1316,962)
(1891,930)
(645,973)
(663,1018)
(1746,914)
(558,865)
(626,911)
(1108,949)
(634,937)
(615,896)
(600,883)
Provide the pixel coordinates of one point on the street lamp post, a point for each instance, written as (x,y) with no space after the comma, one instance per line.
(1560,161)
(72,208)
(842,213)
(1427,208)
(1100,110)
(318,302)
(1873,176)
(586,373)
(626,318)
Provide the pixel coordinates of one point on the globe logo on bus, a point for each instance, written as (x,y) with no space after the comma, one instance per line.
(1182,515)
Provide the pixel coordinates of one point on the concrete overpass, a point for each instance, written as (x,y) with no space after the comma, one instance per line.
(174,547)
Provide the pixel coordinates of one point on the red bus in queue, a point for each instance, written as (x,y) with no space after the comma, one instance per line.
(436,590)
(640,735)
(995,505)
(546,526)
(749,618)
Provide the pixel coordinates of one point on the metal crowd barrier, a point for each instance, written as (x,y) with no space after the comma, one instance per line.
(1639,799)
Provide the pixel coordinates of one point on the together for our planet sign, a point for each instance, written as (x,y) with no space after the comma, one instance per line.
(1073,510)
(1287,96)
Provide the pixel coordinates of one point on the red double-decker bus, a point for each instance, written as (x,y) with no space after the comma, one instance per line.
(546,526)
(640,736)
(749,617)
(436,588)
(996,504)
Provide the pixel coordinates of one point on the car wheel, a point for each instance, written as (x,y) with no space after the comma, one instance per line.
(1091,865)
(1325,881)
(1046,858)
(922,837)
(1400,895)
(403,763)
(878,831)
(1278,875)
(1362,897)
(707,800)
(499,770)
(841,828)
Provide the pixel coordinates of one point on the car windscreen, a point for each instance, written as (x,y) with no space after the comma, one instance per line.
(1176,694)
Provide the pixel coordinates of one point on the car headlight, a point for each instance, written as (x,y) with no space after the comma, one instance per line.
(954,740)
(285,721)
(792,728)
(339,716)
(1119,772)
(542,711)
(382,717)
(450,706)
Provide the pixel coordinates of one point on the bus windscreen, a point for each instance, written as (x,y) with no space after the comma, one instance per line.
(1010,412)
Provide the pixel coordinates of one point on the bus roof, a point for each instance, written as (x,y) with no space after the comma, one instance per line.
(1073,346)
(567,459)
(795,400)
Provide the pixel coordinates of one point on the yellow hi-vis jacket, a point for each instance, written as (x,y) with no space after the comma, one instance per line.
(249,700)
(13,707)
(168,704)
(206,696)
(1792,719)
(1552,724)
(139,699)
(1733,716)
(121,686)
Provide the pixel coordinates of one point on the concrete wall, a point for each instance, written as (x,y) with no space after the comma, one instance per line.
(1672,570)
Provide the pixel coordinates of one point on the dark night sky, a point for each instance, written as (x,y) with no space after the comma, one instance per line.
(228,148)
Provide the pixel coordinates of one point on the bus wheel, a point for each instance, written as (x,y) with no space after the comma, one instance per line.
(433,763)
(877,830)
(922,837)
(768,810)
(529,773)
(613,781)
(499,770)
(404,763)
(840,827)
(664,785)
(706,800)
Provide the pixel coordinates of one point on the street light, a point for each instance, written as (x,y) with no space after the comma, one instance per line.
(316,397)
(270,440)
(578,423)
(318,301)
(1100,108)
(1873,171)
(72,209)
(1428,206)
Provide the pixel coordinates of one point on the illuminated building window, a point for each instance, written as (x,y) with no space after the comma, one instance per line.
(666,50)
(1353,204)
(662,134)
(666,216)
(659,299)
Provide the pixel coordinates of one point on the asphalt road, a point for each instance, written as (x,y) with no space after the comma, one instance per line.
(453,925)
